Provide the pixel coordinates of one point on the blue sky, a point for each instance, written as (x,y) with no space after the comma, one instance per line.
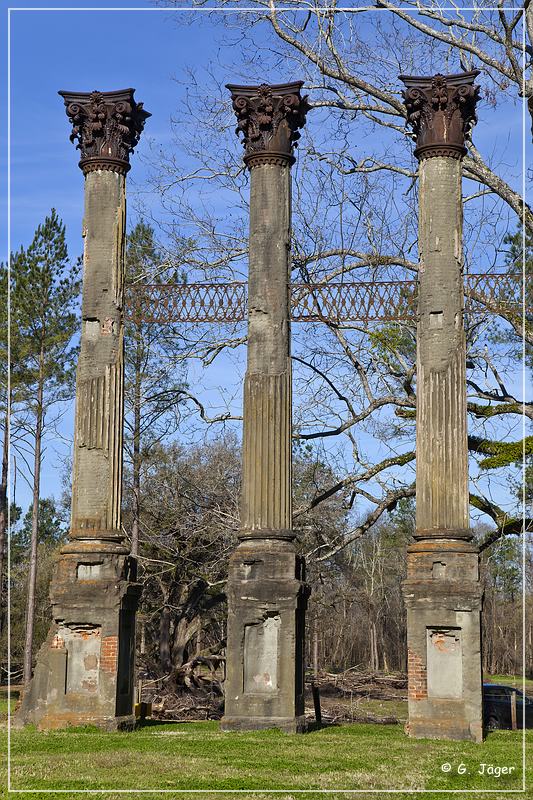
(146,49)
(81,51)
(105,50)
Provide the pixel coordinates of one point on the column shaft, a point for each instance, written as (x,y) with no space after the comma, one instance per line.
(266,588)
(97,466)
(441,434)
(266,492)
(442,590)
(85,668)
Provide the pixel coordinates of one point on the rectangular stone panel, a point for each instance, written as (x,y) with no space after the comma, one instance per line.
(83,656)
(261,645)
(89,572)
(444,663)
(126,660)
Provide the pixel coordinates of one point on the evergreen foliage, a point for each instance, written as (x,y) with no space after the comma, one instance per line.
(44,292)
(52,530)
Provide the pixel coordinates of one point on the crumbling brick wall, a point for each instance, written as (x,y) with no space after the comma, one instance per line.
(109,654)
(417,676)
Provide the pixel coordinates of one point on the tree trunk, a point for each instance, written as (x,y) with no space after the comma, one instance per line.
(384,651)
(32,578)
(184,632)
(3,515)
(136,447)
(338,643)
(493,666)
(142,648)
(164,632)
(199,639)
(315,648)
(374,662)
(164,641)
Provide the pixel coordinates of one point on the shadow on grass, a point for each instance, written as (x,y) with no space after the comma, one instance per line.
(159,723)
(152,724)
(314,727)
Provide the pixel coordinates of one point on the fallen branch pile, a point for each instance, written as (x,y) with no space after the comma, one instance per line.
(343,696)
(374,685)
(195,692)
(186,706)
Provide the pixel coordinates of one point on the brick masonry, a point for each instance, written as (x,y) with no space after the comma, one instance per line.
(109,654)
(417,677)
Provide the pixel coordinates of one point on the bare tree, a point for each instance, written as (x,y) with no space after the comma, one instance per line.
(355,217)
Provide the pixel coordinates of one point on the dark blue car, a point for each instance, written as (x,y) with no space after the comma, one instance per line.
(497,707)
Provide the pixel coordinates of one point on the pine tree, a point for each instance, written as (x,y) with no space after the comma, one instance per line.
(45,289)
(11,395)
(52,530)
(52,533)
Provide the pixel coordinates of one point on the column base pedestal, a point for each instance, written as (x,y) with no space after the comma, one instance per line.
(442,720)
(84,674)
(267,598)
(443,597)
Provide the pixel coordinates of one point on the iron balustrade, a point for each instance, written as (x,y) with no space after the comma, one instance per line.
(336,302)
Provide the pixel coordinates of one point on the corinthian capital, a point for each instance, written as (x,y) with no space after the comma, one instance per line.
(269,117)
(107,126)
(441,111)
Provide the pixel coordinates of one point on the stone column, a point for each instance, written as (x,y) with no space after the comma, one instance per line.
(442,592)
(84,672)
(267,593)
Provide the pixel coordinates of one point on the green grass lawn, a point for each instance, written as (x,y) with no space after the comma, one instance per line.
(511,680)
(198,755)
(383,708)
(5,703)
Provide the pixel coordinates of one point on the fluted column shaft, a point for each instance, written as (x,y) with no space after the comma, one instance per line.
(266,489)
(97,468)
(441,435)
(442,591)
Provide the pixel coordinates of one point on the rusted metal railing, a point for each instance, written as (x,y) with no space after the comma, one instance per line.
(337,302)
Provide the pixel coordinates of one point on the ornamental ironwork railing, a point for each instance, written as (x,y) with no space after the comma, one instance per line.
(336,302)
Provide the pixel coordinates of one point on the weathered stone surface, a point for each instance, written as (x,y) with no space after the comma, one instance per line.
(76,679)
(267,593)
(85,669)
(97,467)
(267,597)
(266,482)
(442,591)
(441,422)
(444,703)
